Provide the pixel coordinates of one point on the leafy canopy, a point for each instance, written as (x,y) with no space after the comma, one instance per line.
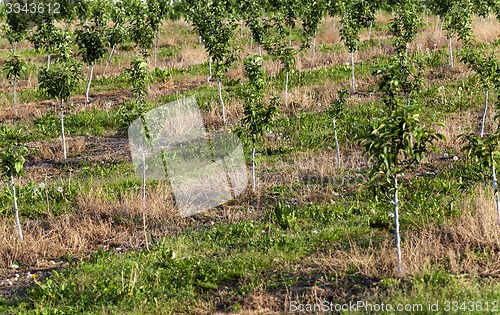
(258,117)
(486,66)
(92,42)
(398,141)
(356,15)
(216,27)
(12,160)
(60,80)
(405,25)
(14,66)
(139,76)
(53,40)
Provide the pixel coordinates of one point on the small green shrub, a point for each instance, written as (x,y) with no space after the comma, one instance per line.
(283,215)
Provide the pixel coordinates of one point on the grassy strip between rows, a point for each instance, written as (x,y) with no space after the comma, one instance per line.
(183,271)
(98,122)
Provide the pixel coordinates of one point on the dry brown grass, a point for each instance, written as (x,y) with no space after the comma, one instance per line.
(321,179)
(434,37)
(328,32)
(96,223)
(102,100)
(485,30)
(454,244)
(468,244)
(455,125)
(464,122)
(316,98)
(52,149)
(102,223)
(450,245)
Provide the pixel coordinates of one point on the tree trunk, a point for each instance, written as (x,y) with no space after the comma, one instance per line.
(313,48)
(87,101)
(209,69)
(219,87)
(286,89)
(63,138)
(337,149)
(450,47)
(253,168)
(155,47)
(495,186)
(141,103)
(299,62)
(143,198)
(48,61)
(260,51)
(484,115)
(352,72)
(16,211)
(370,30)
(396,224)
(15,96)
(110,54)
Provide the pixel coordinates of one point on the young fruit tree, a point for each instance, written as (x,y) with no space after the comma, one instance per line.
(156,12)
(274,35)
(397,142)
(486,149)
(59,82)
(274,31)
(337,111)
(54,41)
(252,11)
(91,37)
(141,29)
(356,15)
(405,25)
(280,26)
(139,76)
(11,165)
(488,70)
(214,22)
(458,20)
(92,43)
(313,14)
(16,28)
(258,117)
(404,28)
(14,67)
(45,39)
(118,32)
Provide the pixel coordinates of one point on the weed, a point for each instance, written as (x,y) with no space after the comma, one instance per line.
(283,215)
